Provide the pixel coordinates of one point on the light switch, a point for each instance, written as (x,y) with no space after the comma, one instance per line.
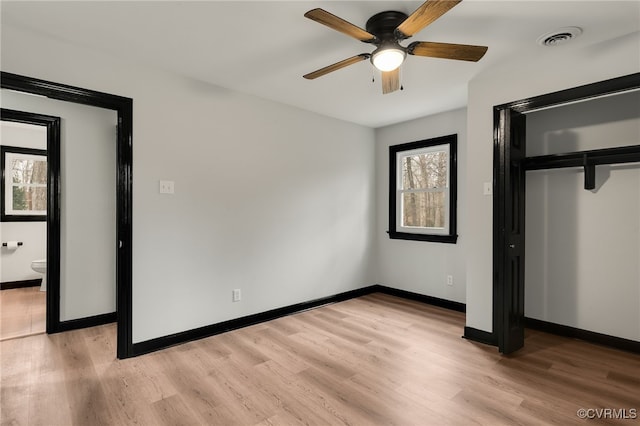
(487,188)
(166,187)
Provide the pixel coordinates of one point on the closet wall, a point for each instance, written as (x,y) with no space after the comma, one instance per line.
(583,247)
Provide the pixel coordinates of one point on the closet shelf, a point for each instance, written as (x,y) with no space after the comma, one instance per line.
(586,159)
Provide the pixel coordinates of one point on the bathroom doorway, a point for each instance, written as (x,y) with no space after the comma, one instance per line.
(30,174)
(121,109)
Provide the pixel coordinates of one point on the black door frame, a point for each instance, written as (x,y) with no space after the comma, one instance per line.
(124,190)
(52,125)
(508,221)
(502,286)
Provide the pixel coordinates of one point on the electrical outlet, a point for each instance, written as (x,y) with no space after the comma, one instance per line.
(166,187)
(236,295)
(487,188)
(449,279)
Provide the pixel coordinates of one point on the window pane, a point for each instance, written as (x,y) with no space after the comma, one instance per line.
(29,171)
(39,175)
(422,171)
(423,209)
(29,198)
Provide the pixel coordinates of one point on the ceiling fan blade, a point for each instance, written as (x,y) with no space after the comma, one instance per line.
(462,52)
(334,22)
(337,66)
(424,15)
(390,81)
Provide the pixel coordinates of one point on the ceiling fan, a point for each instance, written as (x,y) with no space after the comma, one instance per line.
(386,30)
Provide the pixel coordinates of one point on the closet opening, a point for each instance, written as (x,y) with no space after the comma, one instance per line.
(531,165)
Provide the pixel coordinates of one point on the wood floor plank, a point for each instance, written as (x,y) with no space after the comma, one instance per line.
(373,360)
(47,405)
(296,400)
(22,312)
(270,348)
(173,410)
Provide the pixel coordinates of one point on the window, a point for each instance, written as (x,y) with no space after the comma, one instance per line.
(422,190)
(24,184)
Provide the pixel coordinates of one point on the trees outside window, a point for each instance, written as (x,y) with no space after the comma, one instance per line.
(24,188)
(422,190)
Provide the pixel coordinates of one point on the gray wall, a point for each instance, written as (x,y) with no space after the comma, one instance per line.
(420,266)
(192,248)
(583,247)
(270,199)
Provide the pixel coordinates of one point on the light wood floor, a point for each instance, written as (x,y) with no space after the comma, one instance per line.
(22,312)
(375,360)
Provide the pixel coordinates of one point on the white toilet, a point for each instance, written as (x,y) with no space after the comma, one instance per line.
(41,267)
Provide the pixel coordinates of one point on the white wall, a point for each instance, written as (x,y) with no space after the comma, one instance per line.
(606,122)
(421,266)
(521,77)
(583,247)
(270,199)
(15,265)
(22,135)
(88,199)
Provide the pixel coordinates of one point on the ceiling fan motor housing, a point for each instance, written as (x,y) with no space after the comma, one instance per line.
(383,25)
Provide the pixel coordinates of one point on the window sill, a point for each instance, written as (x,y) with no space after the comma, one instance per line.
(23,218)
(448,239)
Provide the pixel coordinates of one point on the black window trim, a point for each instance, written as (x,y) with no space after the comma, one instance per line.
(452,236)
(4,181)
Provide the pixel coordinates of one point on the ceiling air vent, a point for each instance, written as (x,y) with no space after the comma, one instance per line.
(559,36)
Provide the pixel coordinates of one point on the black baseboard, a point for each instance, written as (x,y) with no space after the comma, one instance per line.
(480,336)
(430,300)
(156,344)
(8,285)
(86,322)
(164,342)
(470,333)
(588,336)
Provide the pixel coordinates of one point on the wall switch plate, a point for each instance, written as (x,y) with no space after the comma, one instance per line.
(449,279)
(236,295)
(487,188)
(166,187)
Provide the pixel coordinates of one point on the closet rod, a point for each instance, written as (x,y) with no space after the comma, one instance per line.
(587,159)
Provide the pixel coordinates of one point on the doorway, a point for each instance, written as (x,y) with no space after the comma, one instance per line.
(123,274)
(30,166)
(509,200)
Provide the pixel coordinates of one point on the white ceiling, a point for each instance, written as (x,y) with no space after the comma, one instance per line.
(264,47)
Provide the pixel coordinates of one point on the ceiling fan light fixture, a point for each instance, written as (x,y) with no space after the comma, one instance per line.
(388,58)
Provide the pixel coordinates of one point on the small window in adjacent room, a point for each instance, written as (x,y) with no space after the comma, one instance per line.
(24,184)
(422,190)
